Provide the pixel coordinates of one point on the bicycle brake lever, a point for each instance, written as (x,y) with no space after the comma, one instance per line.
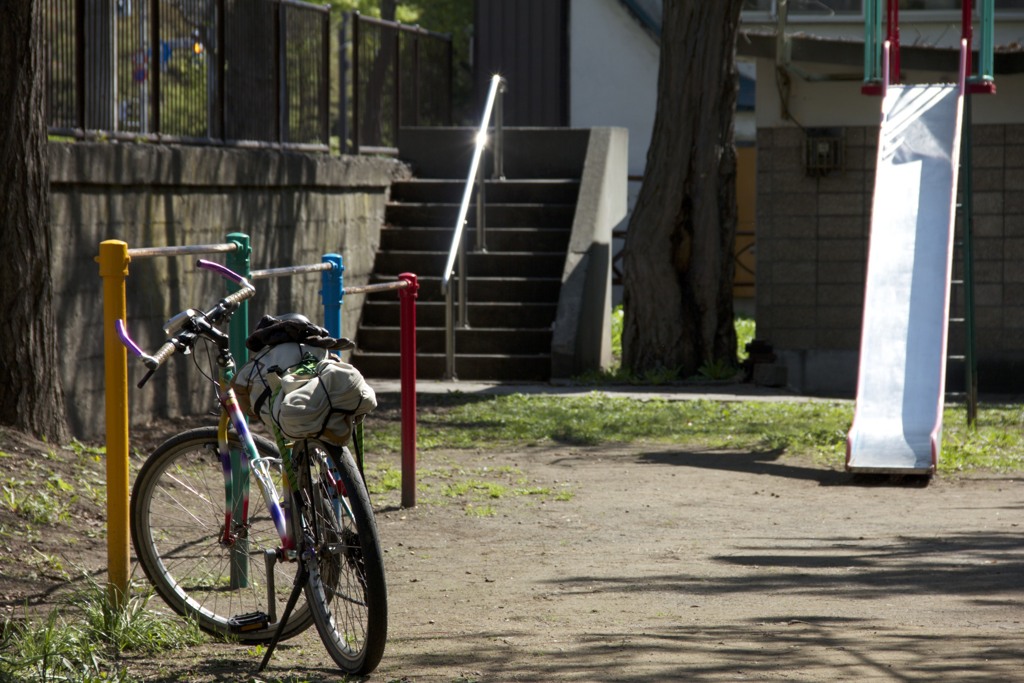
(122,332)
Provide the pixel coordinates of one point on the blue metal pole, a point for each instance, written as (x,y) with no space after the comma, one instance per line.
(332,290)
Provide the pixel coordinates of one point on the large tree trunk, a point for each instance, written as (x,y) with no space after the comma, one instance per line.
(678,260)
(31,398)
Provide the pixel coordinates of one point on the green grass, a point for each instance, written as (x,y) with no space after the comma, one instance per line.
(617,316)
(718,370)
(39,502)
(42,497)
(383,478)
(817,428)
(81,639)
(744,335)
(475,488)
(814,428)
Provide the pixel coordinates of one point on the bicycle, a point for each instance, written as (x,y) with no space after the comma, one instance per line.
(218,557)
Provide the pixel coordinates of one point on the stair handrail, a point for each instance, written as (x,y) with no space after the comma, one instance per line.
(457,250)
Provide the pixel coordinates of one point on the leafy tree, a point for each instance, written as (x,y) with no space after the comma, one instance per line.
(454,17)
(678,253)
(32,398)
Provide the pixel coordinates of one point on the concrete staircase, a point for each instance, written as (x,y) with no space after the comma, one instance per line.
(513,287)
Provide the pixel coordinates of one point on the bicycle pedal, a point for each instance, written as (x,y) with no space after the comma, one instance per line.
(253,621)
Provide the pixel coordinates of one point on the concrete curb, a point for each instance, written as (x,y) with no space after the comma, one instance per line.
(687,392)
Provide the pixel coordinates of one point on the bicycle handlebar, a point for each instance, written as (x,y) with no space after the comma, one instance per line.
(165,351)
(186,334)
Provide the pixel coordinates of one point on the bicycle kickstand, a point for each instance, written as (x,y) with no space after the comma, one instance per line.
(300,580)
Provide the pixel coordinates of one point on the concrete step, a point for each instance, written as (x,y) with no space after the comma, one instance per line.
(410,238)
(528,152)
(504,315)
(476,340)
(491,264)
(539,191)
(509,289)
(439,214)
(492,367)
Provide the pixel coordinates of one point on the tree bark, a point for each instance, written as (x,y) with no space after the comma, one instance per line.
(32,398)
(678,254)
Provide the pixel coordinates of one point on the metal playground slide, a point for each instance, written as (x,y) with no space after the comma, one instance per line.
(897,424)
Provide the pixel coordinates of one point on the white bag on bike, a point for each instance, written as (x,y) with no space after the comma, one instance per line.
(322,401)
(254,383)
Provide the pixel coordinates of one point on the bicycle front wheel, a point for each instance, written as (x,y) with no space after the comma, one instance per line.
(237,588)
(346,591)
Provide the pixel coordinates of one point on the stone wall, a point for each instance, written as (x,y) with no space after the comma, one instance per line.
(295,207)
(812,236)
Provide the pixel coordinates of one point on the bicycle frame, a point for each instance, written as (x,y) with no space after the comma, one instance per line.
(237,467)
(319,509)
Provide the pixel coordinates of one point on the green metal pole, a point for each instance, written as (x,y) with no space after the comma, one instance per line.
(872,38)
(239,261)
(986,56)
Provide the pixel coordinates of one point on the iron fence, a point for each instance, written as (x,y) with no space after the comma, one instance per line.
(194,71)
(401,76)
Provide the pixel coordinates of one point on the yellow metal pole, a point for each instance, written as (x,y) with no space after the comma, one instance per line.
(113,260)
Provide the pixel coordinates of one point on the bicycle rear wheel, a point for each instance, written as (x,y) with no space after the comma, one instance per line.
(177,524)
(346,590)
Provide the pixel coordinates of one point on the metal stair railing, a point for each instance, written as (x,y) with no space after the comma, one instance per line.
(493,106)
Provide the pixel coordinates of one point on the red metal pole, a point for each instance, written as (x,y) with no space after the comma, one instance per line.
(407,298)
(893,30)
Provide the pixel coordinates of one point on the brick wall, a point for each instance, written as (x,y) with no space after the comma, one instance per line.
(812,236)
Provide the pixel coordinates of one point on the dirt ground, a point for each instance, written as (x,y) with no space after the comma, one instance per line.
(640,563)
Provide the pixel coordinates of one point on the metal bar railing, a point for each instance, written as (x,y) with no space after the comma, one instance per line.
(239,252)
(457,250)
(392,83)
(333,292)
(189,72)
(114,257)
(183,250)
(291,270)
